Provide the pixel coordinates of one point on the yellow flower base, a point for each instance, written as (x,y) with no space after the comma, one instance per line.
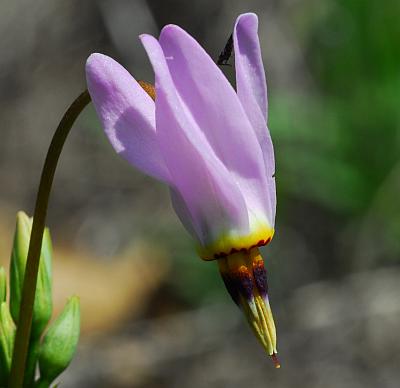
(228,244)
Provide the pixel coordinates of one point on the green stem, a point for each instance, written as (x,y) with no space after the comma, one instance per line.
(39,220)
(31,360)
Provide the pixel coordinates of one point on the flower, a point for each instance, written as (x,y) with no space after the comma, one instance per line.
(209,144)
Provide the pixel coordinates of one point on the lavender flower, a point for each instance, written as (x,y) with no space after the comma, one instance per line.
(209,144)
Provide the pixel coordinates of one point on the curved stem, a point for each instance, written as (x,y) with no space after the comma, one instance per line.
(35,244)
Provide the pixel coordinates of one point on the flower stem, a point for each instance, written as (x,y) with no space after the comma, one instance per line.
(39,220)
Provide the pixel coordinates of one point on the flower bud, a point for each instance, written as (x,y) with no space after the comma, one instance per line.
(60,342)
(7,336)
(3,285)
(42,309)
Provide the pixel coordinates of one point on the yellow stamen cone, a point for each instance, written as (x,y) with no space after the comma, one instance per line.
(244,276)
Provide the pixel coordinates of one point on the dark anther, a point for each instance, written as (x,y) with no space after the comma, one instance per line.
(244,283)
(260,277)
(231,287)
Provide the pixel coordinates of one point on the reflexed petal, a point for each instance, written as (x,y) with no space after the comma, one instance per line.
(211,101)
(252,89)
(127,114)
(215,107)
(249,66)
(212,203)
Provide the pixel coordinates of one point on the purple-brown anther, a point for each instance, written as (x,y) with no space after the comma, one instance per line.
(239,282)
(244,282)
(260,276)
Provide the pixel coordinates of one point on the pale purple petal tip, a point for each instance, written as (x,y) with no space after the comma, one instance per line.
(248,61)
(126,113)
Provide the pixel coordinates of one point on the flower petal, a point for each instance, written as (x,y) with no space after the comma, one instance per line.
(215,107)
(211,201)
(183,212)
(249,66)
(211,101)
(127,114)
(252,89)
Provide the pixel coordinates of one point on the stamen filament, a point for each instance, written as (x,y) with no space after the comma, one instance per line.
(266,333)
(267,313)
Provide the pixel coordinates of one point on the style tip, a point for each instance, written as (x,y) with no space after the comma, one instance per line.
(275,360)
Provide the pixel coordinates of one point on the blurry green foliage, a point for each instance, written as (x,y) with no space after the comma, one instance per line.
(337,144)
(193,279)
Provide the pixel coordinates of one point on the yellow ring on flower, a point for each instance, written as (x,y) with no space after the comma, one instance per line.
(229,243)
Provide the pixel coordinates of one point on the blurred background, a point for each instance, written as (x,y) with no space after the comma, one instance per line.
(153,314)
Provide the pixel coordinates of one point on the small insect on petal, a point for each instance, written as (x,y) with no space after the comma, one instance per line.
(226,53)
